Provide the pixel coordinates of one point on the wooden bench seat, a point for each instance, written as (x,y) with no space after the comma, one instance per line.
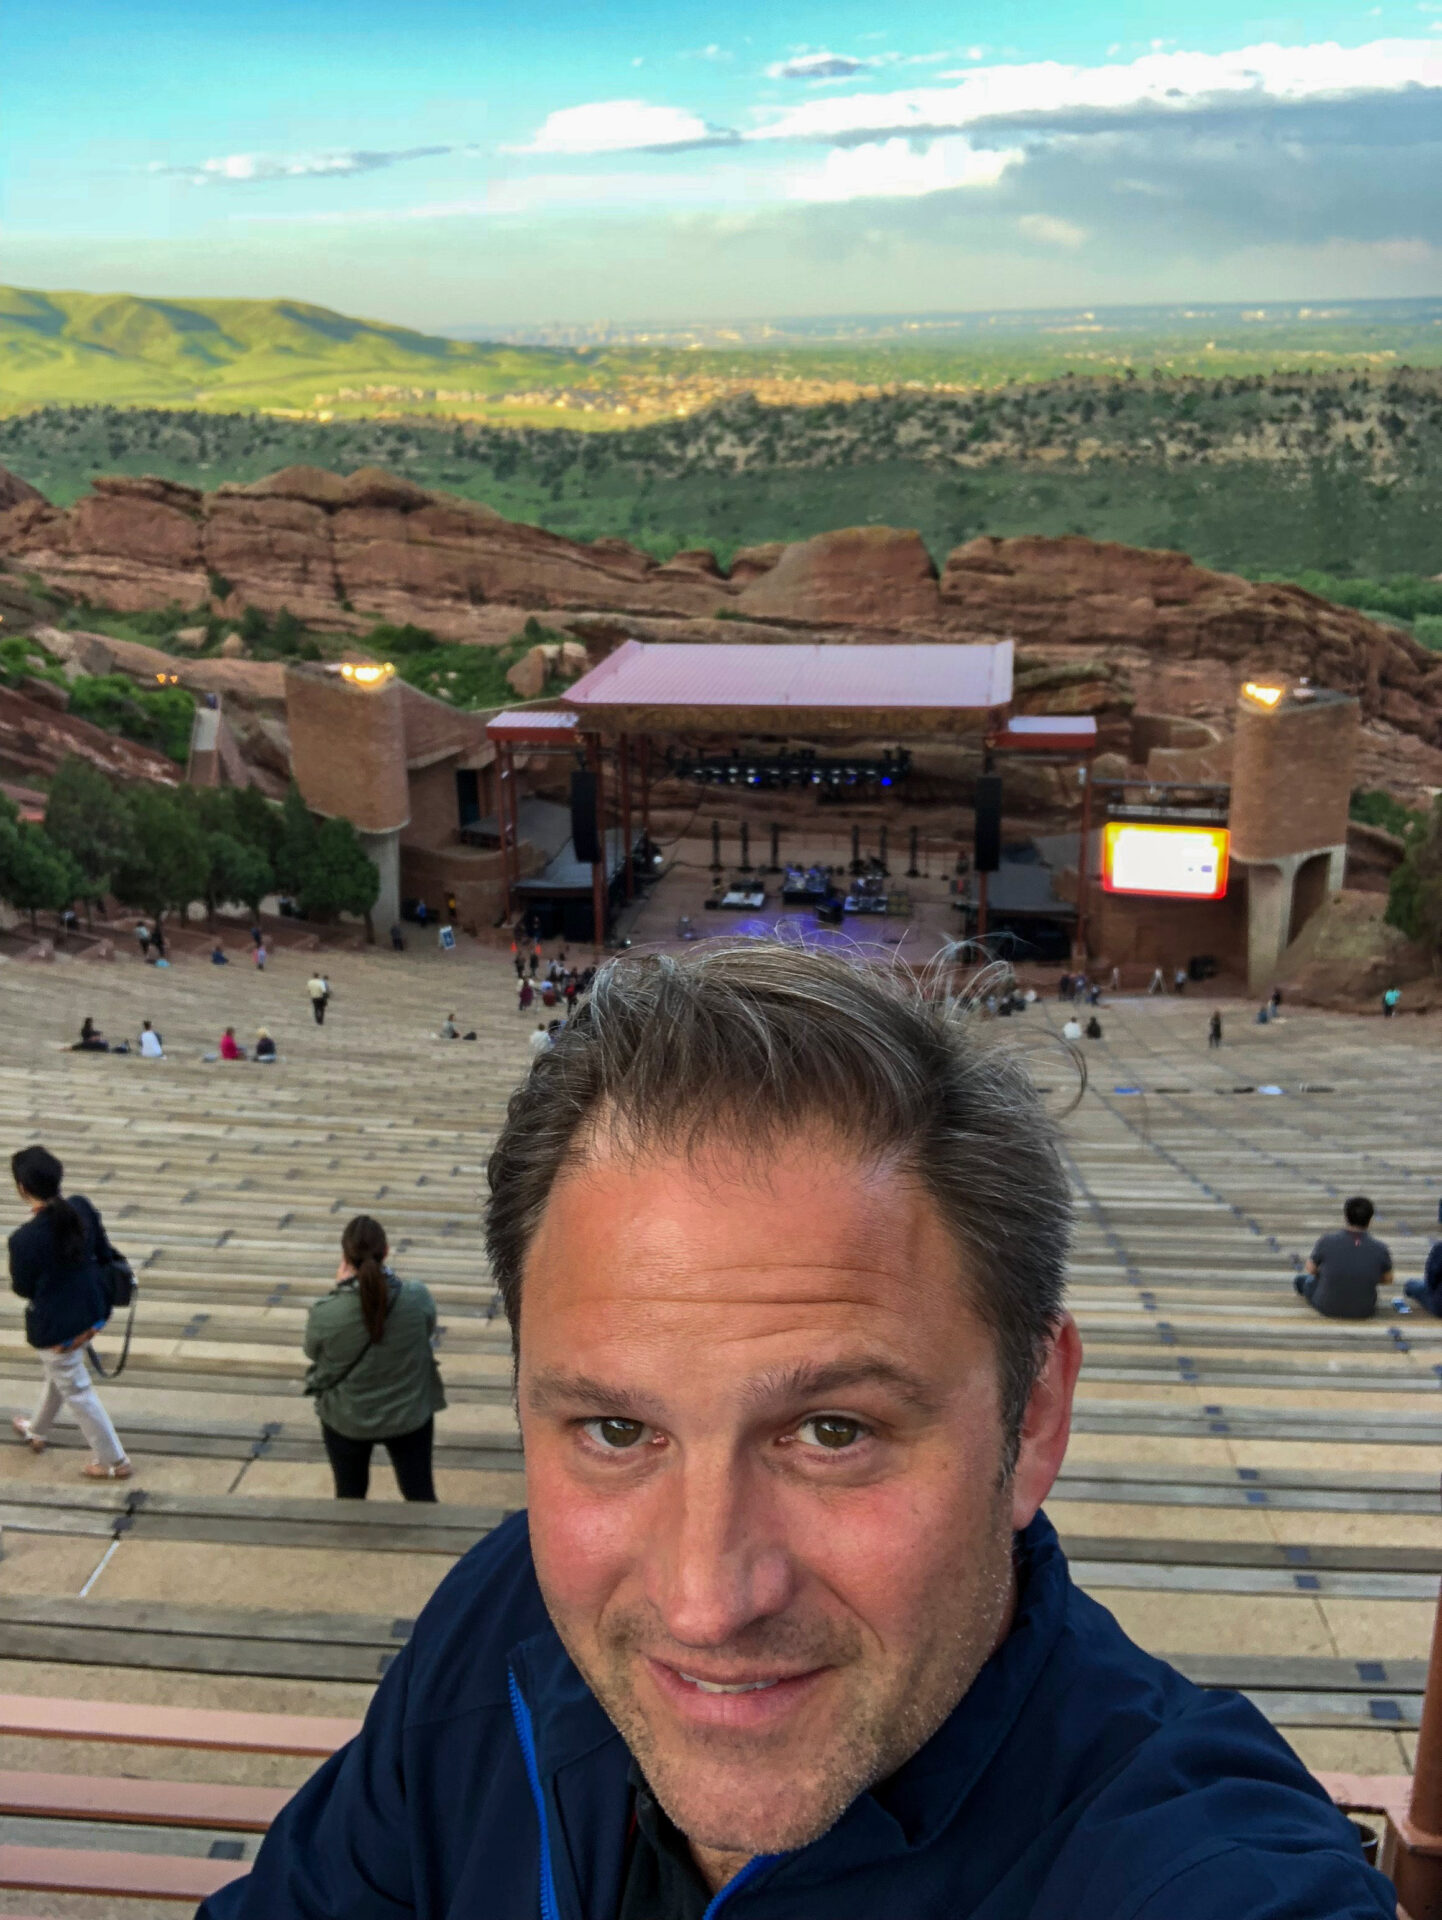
(310,1736)
(182,1805)
(135,1876)
(153,1803)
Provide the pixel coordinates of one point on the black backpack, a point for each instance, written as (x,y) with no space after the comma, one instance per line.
(121,1290)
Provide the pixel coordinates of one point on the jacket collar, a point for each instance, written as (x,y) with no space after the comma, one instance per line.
(903,1813)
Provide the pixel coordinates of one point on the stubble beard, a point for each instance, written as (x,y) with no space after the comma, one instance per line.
(782,1792)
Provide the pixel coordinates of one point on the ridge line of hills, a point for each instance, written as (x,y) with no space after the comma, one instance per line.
(66,347)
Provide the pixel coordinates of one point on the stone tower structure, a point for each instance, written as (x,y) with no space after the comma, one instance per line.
(1293,755)
(348,750)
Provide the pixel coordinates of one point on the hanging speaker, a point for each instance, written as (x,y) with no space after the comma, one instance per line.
(987,852)
(585,840)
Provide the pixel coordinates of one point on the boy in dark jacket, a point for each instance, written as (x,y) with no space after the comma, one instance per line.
(57,1262)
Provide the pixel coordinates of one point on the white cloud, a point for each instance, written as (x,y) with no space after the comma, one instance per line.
(817,66)
(248,168)
(1042,96)
(1051,231)
(624,126)
(901,169)
(1154,84)
(712,52)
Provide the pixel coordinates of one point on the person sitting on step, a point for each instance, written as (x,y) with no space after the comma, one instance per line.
(230,1047)
(152,1047)
(1347,1267)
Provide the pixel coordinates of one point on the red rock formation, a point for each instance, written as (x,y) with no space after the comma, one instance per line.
(1074,592)
(14,491)
(862,576)
(35,738)
(1104,628)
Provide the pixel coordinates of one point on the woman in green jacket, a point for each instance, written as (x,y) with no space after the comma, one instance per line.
(373,1370)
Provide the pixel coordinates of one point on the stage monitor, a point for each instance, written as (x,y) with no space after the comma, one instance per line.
(1178,863)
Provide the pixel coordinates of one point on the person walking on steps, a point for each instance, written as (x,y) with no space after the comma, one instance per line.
(58,1266)
(318,987)
(1214,1030)
(373,1371)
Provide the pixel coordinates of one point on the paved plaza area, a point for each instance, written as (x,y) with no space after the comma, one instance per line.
(1251,1489)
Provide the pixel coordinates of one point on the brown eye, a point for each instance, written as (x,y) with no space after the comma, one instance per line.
(615,1433)
(832,1431)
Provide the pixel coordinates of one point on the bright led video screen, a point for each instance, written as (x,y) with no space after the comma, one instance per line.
(1180,863)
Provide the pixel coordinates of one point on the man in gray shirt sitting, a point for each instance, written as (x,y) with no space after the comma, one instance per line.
(1347,1267)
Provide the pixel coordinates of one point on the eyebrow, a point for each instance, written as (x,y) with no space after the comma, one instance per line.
(554,1388)
(819,1380)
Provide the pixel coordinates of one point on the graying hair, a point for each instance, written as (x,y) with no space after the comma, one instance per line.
(752,1041)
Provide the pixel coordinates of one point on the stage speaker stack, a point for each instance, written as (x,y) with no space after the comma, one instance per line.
(987,850)
(585,840)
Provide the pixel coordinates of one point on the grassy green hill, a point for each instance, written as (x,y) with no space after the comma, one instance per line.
(91,348)
(281,356)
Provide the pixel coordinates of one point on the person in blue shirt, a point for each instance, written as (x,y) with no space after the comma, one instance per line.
(784,1633)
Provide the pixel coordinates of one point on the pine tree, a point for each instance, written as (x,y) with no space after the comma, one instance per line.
(296,843)
(339,876)
(34,872)
(166,865)
(87,816)
(1414,897)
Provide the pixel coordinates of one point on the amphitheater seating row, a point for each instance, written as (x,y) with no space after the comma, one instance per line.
(1250,1489)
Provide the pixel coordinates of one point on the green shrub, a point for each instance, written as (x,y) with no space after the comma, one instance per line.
(1374,808)
(159,717)
(25,659)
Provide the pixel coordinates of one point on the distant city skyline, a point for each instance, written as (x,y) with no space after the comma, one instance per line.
(461,168)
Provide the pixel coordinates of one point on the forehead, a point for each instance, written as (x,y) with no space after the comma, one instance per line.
(802,1237)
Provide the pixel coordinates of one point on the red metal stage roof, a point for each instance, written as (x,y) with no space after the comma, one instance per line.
(930,677)
(1048,733)
(532,727)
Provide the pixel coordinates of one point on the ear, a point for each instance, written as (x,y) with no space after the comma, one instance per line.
(1046,1428)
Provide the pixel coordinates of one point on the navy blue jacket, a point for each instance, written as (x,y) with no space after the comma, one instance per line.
(64,1298)
(1079,1779)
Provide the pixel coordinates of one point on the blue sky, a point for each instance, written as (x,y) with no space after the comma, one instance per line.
(462,165)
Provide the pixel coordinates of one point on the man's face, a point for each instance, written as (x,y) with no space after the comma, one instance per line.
(765,1474)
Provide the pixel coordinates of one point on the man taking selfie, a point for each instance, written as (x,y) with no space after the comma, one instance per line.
(784,1634)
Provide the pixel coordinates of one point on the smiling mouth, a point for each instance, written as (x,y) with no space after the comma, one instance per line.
(739,1686)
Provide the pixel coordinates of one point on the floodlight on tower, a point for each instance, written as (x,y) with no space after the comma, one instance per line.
(1264,696)
(366,673)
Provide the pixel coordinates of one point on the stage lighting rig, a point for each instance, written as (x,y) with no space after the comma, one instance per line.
(800,768)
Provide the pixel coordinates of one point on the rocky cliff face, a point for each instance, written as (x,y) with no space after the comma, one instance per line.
(35,737)
(1102,628)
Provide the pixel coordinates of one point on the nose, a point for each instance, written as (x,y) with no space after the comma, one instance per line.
(717,1560)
